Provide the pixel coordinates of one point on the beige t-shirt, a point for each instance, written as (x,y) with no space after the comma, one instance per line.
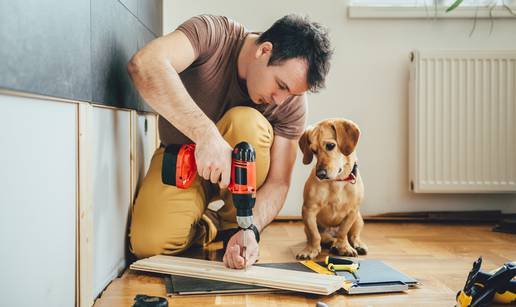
(213,83)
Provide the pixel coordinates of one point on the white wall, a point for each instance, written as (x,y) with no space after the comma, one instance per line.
(368,84)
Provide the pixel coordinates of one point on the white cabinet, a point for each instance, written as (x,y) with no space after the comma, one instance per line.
(110,175)
(69,172)
(38,151)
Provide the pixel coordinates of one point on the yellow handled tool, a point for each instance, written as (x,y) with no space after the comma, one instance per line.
(352,268)
(335,264)
(341,264)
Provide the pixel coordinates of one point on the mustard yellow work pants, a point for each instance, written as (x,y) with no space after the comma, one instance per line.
(167,220)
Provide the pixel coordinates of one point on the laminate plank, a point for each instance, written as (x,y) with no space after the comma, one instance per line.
(255,275)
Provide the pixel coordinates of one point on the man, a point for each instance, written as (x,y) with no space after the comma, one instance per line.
(215,84)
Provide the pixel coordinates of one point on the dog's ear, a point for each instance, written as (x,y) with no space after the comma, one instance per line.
(304,144)
(347,134)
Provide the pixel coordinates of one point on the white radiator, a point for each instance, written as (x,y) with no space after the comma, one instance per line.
(462,113)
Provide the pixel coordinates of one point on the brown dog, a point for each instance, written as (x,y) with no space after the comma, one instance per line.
(333,191)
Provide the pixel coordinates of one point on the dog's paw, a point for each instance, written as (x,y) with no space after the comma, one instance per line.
(327,244)
(327,240)
(308,253)
(343,249)
(361,249)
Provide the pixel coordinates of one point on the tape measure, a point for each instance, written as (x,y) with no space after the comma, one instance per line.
(316,268)
(312,265)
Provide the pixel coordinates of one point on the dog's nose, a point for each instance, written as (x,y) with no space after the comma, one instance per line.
(321,173)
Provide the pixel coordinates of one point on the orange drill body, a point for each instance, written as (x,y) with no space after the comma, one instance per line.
(179,169)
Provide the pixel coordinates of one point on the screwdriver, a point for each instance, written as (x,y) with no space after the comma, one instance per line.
(245,250)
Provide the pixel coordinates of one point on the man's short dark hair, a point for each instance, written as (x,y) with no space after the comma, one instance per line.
(295,36)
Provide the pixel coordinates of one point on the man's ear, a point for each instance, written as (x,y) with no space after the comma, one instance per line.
(264,49)
(347,134)
(304,144)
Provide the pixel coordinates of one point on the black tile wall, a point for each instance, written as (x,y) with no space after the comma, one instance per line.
(150,14)
(144,37)
(131,5)
(45,47)
(76,49)
(114,40)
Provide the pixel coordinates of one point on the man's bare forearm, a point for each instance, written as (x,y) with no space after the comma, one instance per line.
(272,194)
(269,201)
(160,86)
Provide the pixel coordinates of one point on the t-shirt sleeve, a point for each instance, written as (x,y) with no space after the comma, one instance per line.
(206,33)
(291,118)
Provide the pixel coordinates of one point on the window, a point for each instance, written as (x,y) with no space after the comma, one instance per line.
(431,9)
(427,2)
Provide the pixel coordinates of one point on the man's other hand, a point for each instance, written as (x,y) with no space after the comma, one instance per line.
(213,158)
(233,258)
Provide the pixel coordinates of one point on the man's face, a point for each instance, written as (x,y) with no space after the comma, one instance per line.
(274,84)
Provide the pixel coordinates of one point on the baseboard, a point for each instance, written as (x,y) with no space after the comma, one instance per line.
(288,218)
(487,216)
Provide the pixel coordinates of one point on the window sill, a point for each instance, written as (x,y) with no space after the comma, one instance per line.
(406,12)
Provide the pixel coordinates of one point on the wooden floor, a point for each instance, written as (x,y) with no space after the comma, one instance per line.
(438,255)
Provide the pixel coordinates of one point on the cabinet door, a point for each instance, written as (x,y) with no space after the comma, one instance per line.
(110,175)
(38,177)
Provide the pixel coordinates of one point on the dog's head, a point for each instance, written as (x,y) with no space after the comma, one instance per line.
(332,141)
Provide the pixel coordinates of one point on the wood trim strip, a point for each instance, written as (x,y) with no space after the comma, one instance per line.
(84,295)
(255,275)
(77,206)
(36,96)
(7,92)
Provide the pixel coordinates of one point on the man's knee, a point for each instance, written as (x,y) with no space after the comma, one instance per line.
(155,240)
(164,226)
(246,124)
(163,218)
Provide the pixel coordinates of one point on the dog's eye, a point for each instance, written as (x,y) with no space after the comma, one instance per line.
(330,146)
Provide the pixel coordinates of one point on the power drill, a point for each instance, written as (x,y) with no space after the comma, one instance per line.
(179,169)
(485,288)
(243,183)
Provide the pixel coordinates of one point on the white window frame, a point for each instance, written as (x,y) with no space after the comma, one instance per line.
(376,10)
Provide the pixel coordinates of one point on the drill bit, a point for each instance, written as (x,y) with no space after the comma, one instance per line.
(244,250)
